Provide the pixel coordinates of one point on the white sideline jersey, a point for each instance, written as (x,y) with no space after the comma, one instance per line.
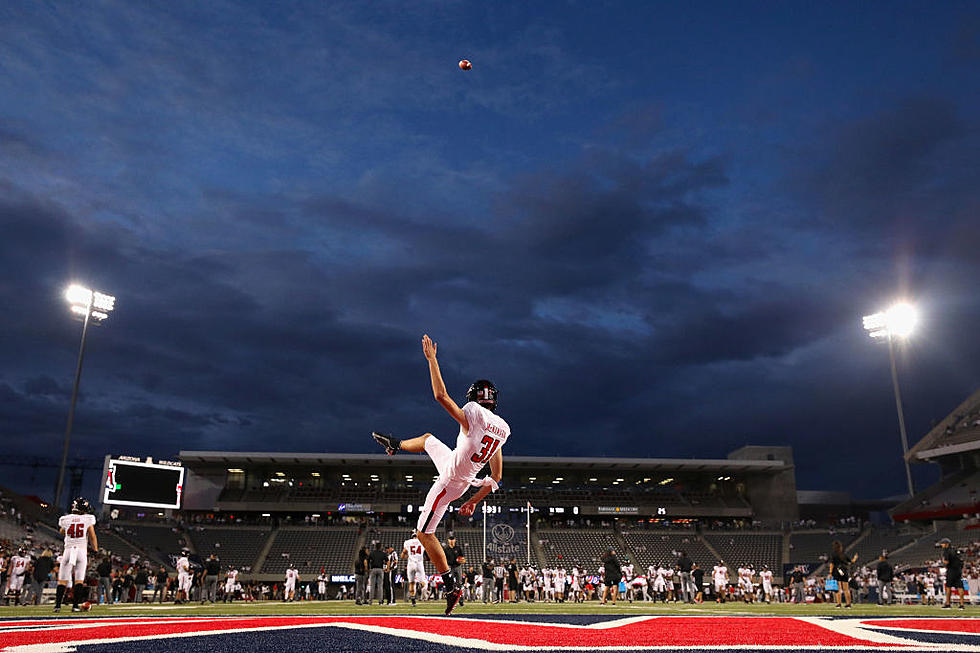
(414,550)
(291,576)
(76,529)
(474,448)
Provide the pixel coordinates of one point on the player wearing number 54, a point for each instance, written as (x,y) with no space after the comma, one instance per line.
(482,434)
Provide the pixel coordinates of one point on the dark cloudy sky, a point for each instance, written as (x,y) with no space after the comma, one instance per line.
(655,226)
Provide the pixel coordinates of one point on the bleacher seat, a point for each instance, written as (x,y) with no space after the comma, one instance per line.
(332,548)
(235,546)
(652,547)
(584,548)
(815,546)
(754,549)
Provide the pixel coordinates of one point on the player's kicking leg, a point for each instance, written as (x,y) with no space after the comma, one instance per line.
(441,494)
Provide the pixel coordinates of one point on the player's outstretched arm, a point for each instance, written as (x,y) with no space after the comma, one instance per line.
(92,538)
(438,386)
(496,473)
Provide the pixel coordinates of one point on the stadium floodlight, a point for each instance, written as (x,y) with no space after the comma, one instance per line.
(899,321)
(87,305)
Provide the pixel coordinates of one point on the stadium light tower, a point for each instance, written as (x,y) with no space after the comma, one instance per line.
(897,322)
(87,305)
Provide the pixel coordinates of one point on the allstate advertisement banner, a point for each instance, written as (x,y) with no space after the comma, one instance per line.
(505,541)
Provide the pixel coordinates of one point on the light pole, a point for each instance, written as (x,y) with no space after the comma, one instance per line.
(86,305)
(897,322)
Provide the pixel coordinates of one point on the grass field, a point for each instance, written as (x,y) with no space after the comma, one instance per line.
(474,609)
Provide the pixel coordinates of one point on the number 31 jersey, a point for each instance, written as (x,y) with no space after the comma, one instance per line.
(76,529)
(487,434)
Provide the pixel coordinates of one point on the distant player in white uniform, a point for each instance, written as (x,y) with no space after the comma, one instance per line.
(184,578)
(766,576)
(230,579)
(78,527)
(745,583)
(17,569)
(415,571)
(482,434)
(720,577)
(291,577)
(321,586)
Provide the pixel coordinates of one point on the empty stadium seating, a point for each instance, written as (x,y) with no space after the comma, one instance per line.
(332,548)
(925,550)
(117,546)
(814,546)
(651,547)
(159,541)
(577,547)
(755,549)
(235,546)
(881,539)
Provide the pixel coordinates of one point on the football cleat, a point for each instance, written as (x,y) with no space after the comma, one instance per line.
(452,598)
(389,443)
(483,392)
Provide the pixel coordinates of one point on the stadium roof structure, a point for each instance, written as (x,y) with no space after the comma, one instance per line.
(239,458)
(957,433)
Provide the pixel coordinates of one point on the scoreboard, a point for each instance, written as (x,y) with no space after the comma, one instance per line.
(142,484)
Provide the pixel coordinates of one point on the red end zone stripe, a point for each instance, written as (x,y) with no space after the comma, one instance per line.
(758,632)
(662,631)
(970,626)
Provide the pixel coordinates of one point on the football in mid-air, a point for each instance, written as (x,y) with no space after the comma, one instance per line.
(465,64)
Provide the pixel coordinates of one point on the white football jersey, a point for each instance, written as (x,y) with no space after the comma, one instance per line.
(76,528)
(18,565)
(415,551)
(232,575)
(720,572)
(291,575)
(766,576)
(183,565)
(487,433)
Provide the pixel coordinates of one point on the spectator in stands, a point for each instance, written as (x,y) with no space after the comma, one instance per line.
(886,574)
(840,571)
(612,573)
(954,572)
(360,575)
(684,565)
(377,561)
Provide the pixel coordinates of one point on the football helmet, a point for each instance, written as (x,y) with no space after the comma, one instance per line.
(80,505)
(483,392)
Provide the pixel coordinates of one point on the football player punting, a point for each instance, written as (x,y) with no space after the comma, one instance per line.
(415,572)
(78,527)
(482,434)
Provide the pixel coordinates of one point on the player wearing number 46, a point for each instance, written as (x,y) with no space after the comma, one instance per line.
(78,527)
(482,434)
